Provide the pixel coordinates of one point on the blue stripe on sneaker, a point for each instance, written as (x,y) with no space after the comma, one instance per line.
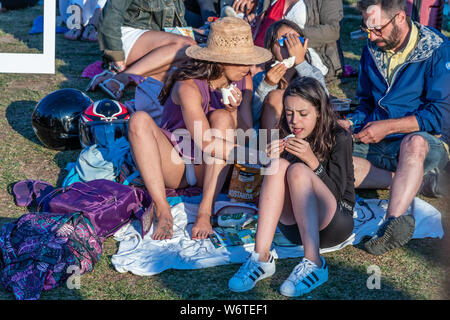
(262,270)
(256,273)
(310,280)
(315,276)
(251,277)
(306,283)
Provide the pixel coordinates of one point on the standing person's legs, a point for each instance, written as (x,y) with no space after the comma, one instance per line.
(149,145)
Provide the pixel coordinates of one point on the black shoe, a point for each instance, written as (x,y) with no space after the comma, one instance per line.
(393,233)
(435,184)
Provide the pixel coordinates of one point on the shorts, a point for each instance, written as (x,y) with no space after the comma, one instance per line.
(336,232)
(384,154)
(129,38)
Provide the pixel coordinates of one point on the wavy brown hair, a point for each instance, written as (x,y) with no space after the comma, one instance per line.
(191,69)
(322,138)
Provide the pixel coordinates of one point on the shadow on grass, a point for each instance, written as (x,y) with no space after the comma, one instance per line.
(18,115)
(212,283)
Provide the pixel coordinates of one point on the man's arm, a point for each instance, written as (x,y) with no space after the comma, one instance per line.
(374,132)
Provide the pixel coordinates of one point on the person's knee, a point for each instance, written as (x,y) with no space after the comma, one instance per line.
(221,119)
(414,146)
(298,172)
(139,123)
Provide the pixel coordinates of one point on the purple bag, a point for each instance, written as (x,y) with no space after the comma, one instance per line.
(107,204)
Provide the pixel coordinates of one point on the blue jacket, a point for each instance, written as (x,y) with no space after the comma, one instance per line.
(419,87)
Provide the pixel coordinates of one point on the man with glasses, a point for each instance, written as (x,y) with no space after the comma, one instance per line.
(403,92)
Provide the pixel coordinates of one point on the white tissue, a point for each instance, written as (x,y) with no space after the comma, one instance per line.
(226,94)
(289,62)
(289,136)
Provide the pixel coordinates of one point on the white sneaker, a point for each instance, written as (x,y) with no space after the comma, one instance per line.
(251,272)
(305,277)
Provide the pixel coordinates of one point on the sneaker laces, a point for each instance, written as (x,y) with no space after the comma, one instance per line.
(303,269)
(247,268)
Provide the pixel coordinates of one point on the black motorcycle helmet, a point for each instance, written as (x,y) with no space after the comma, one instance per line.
(56,117)
(103,122)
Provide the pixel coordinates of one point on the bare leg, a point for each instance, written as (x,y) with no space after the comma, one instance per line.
(271,113)
(271,206)
(215,173)
(409,174)
(314,206)
(368,176)
(149,145)
(156,51)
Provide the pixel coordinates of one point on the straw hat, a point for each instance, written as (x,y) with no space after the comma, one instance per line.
(230,41)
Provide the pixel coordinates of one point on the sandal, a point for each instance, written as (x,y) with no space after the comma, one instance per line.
(104,73)
(88,33)
(73,34)
(114,95)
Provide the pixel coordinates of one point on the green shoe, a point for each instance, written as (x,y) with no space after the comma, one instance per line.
(393,233)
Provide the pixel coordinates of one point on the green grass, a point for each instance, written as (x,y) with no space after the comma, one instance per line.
(417,271)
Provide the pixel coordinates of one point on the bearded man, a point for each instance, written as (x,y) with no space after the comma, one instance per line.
(403,92)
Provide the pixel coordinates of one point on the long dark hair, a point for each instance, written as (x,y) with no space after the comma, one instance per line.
(191,69)
(271,38)
(322,138)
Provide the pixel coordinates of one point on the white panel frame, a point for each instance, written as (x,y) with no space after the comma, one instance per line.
(35,63)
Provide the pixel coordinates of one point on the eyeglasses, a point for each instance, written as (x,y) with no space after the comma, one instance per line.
(377,30)
(281,41)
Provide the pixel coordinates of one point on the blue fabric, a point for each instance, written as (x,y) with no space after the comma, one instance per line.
(38,26)
(420,86)
(384,154)
(72,176)
(194,199)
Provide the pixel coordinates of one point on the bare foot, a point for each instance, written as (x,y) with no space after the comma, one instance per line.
(164,226)
(202,227)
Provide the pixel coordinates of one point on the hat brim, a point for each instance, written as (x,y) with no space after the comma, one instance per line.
(258,56)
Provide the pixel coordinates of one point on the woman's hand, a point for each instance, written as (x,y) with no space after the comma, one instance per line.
(235,101)
(296,48)
(242,5)
(302,150)
(276,148)
(275,74)
(119,66)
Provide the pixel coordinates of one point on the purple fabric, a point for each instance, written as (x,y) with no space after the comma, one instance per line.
(107,204)
(92,70)
(172,117)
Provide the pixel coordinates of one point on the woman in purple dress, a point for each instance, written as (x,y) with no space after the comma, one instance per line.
(196,137)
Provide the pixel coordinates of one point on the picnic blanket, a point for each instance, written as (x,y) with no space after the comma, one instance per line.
(146,257)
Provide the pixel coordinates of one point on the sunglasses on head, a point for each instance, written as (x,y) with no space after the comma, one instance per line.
(281,41)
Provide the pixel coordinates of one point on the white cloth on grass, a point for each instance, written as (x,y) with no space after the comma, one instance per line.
(146,257)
